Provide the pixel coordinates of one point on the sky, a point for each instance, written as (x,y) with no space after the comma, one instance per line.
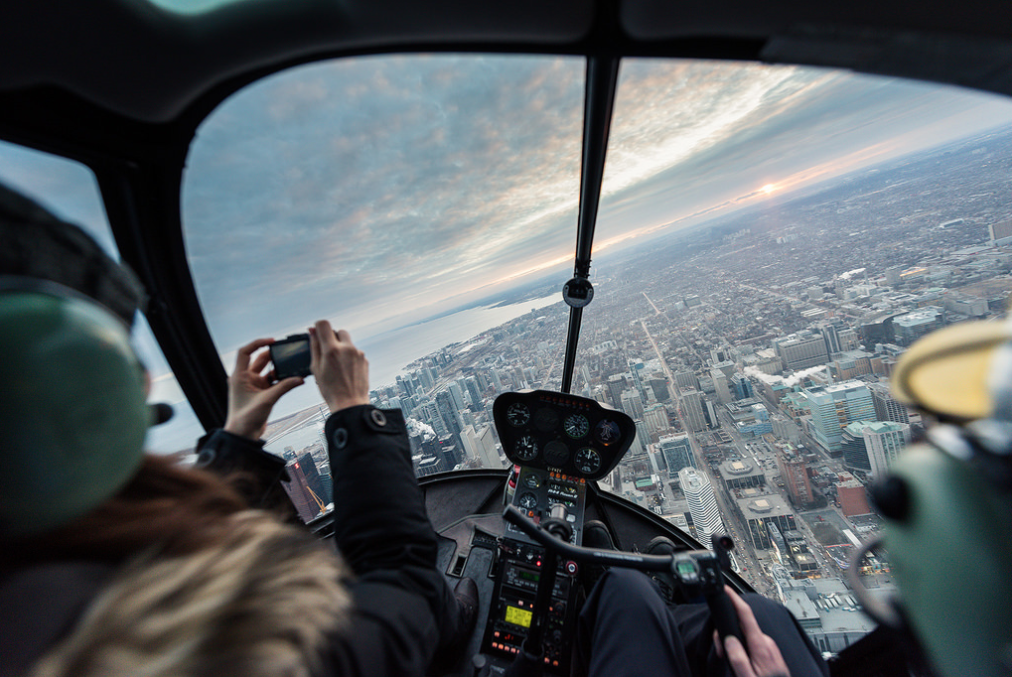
(381,191)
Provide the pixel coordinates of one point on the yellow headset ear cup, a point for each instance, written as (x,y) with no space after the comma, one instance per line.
(72,409)
(947,371)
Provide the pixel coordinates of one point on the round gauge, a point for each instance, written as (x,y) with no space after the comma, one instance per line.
(546,420)
(607,432)
(528,501)
(518,414)
(576,425)
(556,453)
(532,481)
(526,448)
(587,461)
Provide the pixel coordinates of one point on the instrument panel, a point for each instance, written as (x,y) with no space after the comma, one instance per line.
(557,431)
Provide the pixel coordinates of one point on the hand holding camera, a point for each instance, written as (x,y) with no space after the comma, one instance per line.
(341,369)
(252,392)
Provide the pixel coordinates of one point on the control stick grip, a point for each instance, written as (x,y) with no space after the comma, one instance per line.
(725,618)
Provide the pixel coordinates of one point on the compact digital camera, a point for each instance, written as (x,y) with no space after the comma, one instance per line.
(291,356)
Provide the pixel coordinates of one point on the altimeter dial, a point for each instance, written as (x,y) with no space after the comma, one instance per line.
(576,425)
(526,448)
(518,414)
(587,461)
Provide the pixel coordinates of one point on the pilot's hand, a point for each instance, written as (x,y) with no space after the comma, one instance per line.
(250,393)
(763,658)
(341,370)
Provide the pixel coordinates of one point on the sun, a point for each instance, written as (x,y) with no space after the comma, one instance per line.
(768,188)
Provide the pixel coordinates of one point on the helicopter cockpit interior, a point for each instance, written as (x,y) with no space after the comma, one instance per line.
(586,246)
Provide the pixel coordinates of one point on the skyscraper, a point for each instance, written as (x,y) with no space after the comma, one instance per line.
(794,471)
(855,452)
(487,451)
(616,385)
(431,415)
(888,408)
(692,409)
(677,453)
(660,387)
(720,386)
(832,407)
(802,350)
(457,394)
(444,402)
(632,403)
(741,387)
(832,339)
(686,380)
(656,419)
(884,441)
(477,404)
(304,496)
(702,504)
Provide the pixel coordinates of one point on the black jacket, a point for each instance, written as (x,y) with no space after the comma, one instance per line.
(403,607)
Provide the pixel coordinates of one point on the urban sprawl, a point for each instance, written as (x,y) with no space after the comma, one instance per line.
(754,354)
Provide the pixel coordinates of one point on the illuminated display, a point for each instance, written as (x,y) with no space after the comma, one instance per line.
(516,616)
(686,568)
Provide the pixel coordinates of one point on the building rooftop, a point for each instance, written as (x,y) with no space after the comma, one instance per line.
(763,506)
(918,317)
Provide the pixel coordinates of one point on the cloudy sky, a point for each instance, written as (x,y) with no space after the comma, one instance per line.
(381,190)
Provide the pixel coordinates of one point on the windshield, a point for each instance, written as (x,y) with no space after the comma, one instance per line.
(770,239)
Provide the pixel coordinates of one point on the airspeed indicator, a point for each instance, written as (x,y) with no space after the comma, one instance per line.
(576,425)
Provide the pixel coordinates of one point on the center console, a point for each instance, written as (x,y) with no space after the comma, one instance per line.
(559,443)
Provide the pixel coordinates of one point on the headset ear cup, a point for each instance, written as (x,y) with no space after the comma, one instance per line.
(72,409)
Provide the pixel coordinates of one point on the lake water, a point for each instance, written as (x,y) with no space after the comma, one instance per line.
(389,353)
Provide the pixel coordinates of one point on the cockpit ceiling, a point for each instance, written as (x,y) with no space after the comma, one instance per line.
(147,63)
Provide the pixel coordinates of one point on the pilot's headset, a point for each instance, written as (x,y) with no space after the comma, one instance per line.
(72,405)
(947,503)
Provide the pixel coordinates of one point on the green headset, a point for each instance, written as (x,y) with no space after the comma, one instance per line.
(73,416)
(947,503)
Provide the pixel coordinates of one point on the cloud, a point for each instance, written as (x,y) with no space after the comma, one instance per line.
(404,174)
(850,273)
(792,380)
(374,190)
(418,429)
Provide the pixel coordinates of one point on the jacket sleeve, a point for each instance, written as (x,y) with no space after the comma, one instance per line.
(254,472)
(403,607)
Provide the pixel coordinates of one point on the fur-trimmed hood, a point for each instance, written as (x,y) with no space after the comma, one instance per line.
(264,600)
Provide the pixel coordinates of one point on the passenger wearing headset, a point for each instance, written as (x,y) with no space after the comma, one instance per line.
(117,562)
